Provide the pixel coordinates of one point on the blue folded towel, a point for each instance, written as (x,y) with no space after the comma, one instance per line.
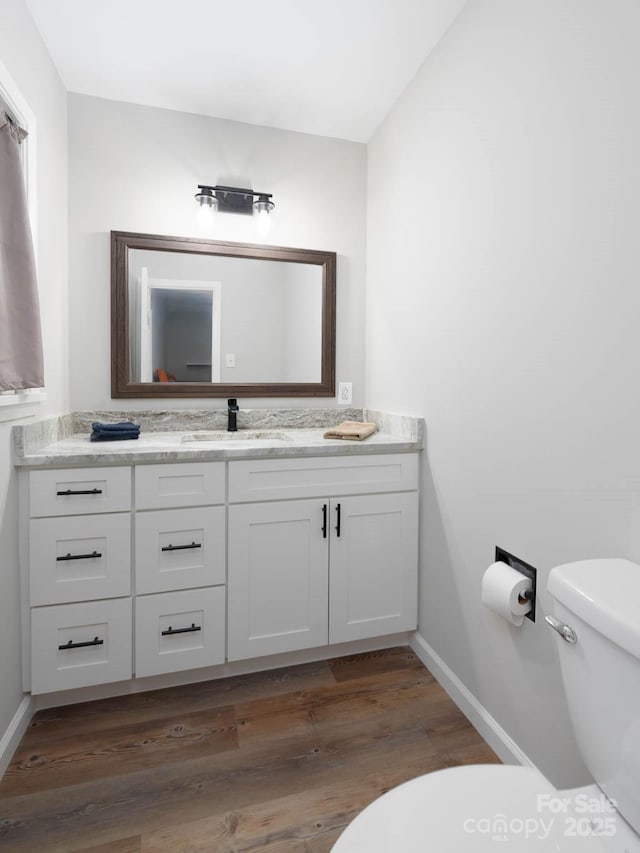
(122,426)
(123,431)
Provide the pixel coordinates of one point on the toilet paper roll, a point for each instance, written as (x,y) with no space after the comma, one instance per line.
(502,589)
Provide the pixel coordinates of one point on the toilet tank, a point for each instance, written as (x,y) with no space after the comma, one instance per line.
(600,599)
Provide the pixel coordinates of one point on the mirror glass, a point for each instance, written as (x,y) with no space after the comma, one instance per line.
(203,318)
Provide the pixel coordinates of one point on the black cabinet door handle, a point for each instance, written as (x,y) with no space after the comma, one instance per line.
(68,492)
(338,520)
(324,521)
(171,630)
(72,645)
(181,547)
(78,556)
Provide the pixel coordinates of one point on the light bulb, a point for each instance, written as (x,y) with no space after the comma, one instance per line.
(206,216)
(263,223)
(207,206)
(262,209)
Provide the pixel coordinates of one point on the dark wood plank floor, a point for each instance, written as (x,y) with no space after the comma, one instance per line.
(277,762)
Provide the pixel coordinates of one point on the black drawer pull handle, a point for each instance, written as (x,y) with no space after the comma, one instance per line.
(181,547)
(338,520)
(171,630)
(67,492)
(78,556)
(324,521)
(72,645)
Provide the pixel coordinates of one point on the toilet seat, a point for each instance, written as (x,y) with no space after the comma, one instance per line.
(477,808)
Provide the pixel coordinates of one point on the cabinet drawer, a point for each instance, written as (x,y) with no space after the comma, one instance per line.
(180,549)
(281,479)
(74,491)
(180,630)
(179,484)
(78,645)
(77,559)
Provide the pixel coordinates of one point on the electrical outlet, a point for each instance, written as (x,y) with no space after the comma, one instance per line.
(345,393)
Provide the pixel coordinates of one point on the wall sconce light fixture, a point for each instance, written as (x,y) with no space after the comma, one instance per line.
(233,200)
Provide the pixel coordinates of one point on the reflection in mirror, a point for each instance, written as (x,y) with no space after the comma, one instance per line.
(196,318)
(206,318)
(173,335)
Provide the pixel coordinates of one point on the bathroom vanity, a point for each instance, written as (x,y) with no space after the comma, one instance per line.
(189,551)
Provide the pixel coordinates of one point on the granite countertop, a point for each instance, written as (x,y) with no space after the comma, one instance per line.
(65,441)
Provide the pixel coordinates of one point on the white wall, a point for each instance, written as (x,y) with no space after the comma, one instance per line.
(24,56)
(303,323)
(503,305)
(137,168)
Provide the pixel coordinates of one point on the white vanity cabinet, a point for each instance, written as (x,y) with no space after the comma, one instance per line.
(336,567)
(152,569)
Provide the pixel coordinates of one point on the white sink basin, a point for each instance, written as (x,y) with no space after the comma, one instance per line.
(241,435)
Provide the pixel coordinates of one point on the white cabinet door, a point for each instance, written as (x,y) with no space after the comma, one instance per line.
(373,566)
(277,578)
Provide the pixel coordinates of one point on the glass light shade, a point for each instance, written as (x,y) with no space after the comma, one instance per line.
(207,199)
(263,205)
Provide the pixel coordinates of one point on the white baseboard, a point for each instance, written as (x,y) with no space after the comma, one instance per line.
(500,742)
(17,727)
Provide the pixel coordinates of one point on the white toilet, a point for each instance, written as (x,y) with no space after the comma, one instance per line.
(506,808)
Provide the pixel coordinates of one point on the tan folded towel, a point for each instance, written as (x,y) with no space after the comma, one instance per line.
(351,430)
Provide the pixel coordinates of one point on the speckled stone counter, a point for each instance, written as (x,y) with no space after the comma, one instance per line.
(181,436)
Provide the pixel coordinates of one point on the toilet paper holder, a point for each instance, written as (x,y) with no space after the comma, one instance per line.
(524,569)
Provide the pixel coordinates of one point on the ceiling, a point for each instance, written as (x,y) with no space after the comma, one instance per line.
(328,67)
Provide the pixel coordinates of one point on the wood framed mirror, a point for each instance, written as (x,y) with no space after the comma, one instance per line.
(203,318)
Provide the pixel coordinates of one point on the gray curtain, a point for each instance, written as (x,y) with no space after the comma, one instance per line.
(20,337)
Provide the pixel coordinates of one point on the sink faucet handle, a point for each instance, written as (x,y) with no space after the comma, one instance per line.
(232,414)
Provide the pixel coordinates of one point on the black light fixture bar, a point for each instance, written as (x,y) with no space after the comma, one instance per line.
(232,199)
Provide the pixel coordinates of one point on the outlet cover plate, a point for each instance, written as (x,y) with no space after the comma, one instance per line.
(345,393)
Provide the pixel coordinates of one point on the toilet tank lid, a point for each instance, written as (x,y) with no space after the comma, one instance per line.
(605,594)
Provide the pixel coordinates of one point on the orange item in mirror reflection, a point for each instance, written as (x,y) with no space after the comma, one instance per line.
(160,375)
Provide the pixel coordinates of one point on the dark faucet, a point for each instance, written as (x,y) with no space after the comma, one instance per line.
(232,410)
